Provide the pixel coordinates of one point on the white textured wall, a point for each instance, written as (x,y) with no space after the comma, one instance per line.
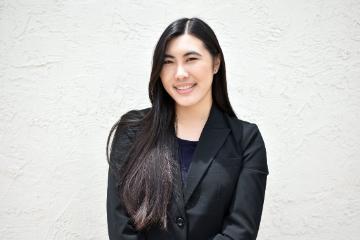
(69,69)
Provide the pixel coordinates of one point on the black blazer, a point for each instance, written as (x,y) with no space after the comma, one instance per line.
(224,195)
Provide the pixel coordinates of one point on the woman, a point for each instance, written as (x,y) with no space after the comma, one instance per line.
(186,167)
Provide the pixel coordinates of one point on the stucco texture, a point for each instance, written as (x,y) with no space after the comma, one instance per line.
(70,69)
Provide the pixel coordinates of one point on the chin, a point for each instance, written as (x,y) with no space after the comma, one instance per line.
(183,103)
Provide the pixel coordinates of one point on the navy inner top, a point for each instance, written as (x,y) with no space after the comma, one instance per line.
(186,151)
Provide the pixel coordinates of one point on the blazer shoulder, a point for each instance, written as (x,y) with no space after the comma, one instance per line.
(246,132)
(249,128)
(130,122)
(253,146)
(122,134)
(243,127)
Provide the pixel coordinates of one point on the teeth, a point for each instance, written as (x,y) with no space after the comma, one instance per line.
(184,87)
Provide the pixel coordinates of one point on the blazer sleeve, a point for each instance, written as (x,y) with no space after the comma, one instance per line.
(119,222)
(244,215)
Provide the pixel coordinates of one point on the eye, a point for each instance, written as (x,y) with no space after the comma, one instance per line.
(166,62)
(190,59)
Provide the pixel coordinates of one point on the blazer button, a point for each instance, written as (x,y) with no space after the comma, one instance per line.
(180,222)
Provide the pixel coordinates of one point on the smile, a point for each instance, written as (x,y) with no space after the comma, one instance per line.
(185,89)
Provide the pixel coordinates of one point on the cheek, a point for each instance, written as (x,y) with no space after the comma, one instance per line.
(166,84)
(202,69)
(204,75)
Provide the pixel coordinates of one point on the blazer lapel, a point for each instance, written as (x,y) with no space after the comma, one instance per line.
(211,139)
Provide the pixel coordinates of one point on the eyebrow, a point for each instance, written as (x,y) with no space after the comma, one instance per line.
(186,54)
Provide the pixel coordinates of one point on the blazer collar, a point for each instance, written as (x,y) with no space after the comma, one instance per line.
(211,139)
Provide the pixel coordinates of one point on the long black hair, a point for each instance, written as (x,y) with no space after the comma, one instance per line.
(150,174)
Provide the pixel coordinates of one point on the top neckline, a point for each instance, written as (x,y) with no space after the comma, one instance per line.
(186,141)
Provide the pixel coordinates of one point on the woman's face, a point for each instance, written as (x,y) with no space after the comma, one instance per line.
(187,71)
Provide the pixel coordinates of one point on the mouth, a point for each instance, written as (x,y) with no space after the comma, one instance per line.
(185,89)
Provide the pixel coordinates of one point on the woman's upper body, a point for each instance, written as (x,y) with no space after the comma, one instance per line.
(225,187)
(214,190)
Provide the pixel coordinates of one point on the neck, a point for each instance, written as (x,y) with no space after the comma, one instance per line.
(193,115)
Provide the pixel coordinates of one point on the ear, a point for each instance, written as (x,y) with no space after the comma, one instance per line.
(216,64)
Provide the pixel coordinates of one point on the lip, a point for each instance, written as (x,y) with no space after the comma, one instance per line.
(185,91)
(183,85)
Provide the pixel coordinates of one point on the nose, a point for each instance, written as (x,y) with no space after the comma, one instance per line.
(181,72)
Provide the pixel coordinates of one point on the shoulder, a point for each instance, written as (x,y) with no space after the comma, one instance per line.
(252,144)
(245,129)
(123,132)
(130,122)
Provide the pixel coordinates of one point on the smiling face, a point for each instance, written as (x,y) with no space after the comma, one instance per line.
(187,71)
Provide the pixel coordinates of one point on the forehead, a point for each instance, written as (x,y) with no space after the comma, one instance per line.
(184,43)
